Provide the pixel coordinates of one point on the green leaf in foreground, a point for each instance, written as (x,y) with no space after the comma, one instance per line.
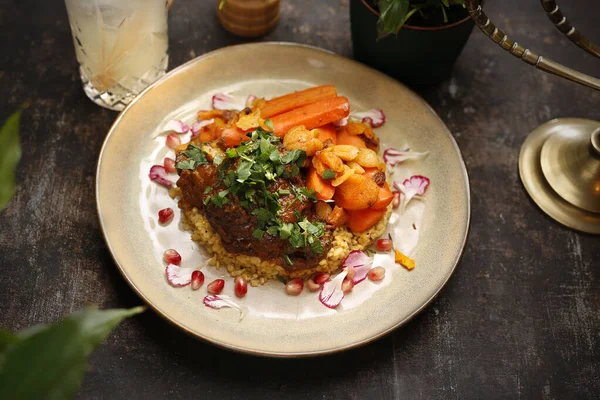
(48,361)
(10,153)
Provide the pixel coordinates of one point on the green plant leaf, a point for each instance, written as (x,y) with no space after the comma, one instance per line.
(48,361)
(392,16)
(10,153)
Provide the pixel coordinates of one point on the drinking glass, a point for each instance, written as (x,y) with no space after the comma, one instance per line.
(121,46)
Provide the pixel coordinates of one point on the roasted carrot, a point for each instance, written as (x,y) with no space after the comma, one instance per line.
(343,137)
(337,217)
(362,220)
(282,104)
(327,132)
(232,136)
(356,193)
(323,188)
(210,133)
(312,115)
(385,196)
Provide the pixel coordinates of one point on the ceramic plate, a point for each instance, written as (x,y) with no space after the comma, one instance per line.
(432,231)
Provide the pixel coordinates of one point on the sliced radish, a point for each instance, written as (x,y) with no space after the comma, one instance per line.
(225,101)
(159,174)
(177,126)
(356,258)
(374,117)
(197,126)
(331,294)
(412,187)
(222,301)
(178,276)
(360,263)
(173,141)
(393,157)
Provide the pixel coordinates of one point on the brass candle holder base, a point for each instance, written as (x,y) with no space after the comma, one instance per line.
(559,166)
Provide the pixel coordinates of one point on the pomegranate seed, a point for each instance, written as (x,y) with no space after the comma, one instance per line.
(384,245)
(216,286)
(169,164)
(165,215)
(172,257)
(351,273)
(173,141)
(347,285)
(312,285)
(320,278)
(396,201)
(241,286)
(376,274)
(294,287)
(197,279)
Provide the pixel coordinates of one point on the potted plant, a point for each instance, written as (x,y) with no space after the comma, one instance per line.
(416,41)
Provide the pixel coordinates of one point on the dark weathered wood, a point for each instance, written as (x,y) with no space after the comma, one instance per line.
(519,319)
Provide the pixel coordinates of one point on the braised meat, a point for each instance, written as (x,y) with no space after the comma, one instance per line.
(236,223)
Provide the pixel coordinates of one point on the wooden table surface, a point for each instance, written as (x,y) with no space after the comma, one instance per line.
(519,319)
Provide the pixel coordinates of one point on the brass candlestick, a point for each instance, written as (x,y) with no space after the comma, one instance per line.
(559,162)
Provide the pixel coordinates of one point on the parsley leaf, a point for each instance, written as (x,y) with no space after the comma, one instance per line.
(195,157)
(297,239)
(243,171)
(186,164)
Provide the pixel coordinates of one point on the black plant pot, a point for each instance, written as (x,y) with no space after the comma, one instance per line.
(417,56)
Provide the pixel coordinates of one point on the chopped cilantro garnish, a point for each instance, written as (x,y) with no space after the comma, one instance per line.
(297,239)
(231,153)
(243,171)
(195,157)
(308,193)
(258,233)
(218,159)
(186,164)
(328,174)
(259,162)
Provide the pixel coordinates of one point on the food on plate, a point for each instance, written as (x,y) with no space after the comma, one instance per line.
(292,188)
(270,192)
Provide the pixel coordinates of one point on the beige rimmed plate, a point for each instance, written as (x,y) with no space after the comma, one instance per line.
(432,230)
